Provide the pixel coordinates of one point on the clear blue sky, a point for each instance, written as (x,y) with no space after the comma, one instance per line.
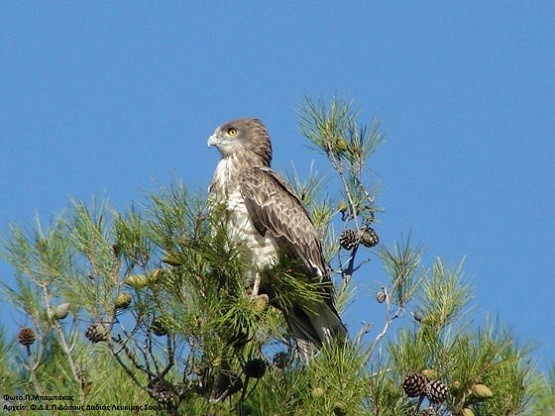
(99,98)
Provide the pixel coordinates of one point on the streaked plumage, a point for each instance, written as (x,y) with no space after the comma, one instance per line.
(267,217)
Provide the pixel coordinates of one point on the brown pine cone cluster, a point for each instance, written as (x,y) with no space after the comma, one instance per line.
(417,385)
(367,236)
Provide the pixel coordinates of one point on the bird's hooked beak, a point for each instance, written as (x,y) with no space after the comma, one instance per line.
(213,140)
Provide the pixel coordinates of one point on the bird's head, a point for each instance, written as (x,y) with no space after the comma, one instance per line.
(243,135)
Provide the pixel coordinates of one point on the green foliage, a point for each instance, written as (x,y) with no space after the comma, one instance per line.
(151,306)
(402,266)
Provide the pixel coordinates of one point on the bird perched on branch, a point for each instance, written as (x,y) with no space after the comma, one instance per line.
(268,219)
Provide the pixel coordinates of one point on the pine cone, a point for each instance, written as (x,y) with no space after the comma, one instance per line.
(123,300)
(161,390)
(340,409)
(418,316)
(155,276)
(26,336)
(158,327)
(436,391)
(255,368)
(136,281)
(261,302)
(381,296)
(369,237)
(96,333)
(348,239)
(481,391)
(62,310)
(414,385)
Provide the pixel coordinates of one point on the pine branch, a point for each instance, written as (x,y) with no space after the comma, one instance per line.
(167,268)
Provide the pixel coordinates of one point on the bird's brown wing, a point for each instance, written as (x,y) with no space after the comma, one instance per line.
(274,208)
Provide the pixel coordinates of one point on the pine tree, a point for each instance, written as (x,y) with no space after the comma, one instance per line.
(148,307)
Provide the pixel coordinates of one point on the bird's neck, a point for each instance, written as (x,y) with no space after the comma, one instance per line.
(231,167)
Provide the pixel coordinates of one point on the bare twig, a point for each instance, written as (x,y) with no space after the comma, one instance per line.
(367,327)
(127,370)
(388,320)
(171,358)
(66,348)
(130,356)
(32,370)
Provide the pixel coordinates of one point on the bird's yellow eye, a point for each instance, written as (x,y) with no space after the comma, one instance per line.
(232,131)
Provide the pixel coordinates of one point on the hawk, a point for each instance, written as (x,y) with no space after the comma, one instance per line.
(267,218)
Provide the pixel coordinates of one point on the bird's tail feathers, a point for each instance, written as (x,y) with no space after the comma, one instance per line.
(315,327)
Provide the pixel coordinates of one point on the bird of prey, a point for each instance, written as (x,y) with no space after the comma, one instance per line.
(268,220)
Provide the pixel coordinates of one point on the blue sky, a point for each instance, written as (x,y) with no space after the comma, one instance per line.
(104,98)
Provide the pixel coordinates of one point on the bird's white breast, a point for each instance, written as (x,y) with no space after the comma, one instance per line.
(262,250)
